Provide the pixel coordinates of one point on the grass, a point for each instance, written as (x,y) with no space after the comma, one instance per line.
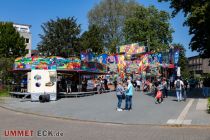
(208,108)
(4,93)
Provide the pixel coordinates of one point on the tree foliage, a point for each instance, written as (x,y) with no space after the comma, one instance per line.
(5,72)
(12,45)
(60,37)
(149,27)
(197,13)
(92,39)
(109,15)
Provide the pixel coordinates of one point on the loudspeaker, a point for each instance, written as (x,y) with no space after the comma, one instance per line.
(44,98)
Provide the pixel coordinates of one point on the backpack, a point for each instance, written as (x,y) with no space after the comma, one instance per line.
(178,84)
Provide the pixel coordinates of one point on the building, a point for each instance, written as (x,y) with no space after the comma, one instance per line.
(198,65)
(34,53)
(24,31)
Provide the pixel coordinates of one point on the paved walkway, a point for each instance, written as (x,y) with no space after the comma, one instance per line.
(77,130)
(102,108)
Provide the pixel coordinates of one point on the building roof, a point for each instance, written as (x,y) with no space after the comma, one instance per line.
(22,24)
(192,57)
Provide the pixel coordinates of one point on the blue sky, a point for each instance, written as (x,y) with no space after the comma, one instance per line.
(36,12)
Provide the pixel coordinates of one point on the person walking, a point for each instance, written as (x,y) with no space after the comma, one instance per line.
(120,93)
(156,84)
(138,84)
(105,83)
(84,85)
(185,89)
(205,87)
(165,90)
(179,85)
(68,85)
(128,96)
(171,82)
(159,96)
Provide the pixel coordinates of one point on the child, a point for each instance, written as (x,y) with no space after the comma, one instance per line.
(159,97)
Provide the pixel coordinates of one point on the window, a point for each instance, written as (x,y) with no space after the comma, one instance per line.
(27,40)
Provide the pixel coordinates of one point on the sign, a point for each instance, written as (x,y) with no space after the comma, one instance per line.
(132,49)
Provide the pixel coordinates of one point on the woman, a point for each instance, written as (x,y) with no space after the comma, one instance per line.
(119,92)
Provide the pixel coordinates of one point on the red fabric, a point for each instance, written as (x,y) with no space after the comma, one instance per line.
(159,94)
(171,66)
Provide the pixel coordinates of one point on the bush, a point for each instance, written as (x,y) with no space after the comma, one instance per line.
(208,107)
(4,91)
(4,94)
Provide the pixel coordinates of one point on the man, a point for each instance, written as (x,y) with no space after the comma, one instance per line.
(205,87)
(179,86)
(165,90)
(171,82)
(138,84)
(105,84)
(156,84)
(128,96)
(68,85)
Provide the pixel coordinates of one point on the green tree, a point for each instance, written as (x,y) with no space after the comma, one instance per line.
(183,62)
(197,13)
(60,37)
(12,45)
(5,72)
(92,39)
(109,15)
(149,27)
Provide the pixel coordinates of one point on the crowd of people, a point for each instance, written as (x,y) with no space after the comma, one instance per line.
(158,87)
(99,84)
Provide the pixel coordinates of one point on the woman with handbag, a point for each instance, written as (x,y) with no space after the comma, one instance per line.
(120,95)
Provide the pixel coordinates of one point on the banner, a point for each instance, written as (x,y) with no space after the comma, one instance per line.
(102,58)
(87,56)
(176,57)
(132,49)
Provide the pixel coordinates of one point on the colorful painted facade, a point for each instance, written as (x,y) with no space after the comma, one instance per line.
(132,58)
(57,63)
